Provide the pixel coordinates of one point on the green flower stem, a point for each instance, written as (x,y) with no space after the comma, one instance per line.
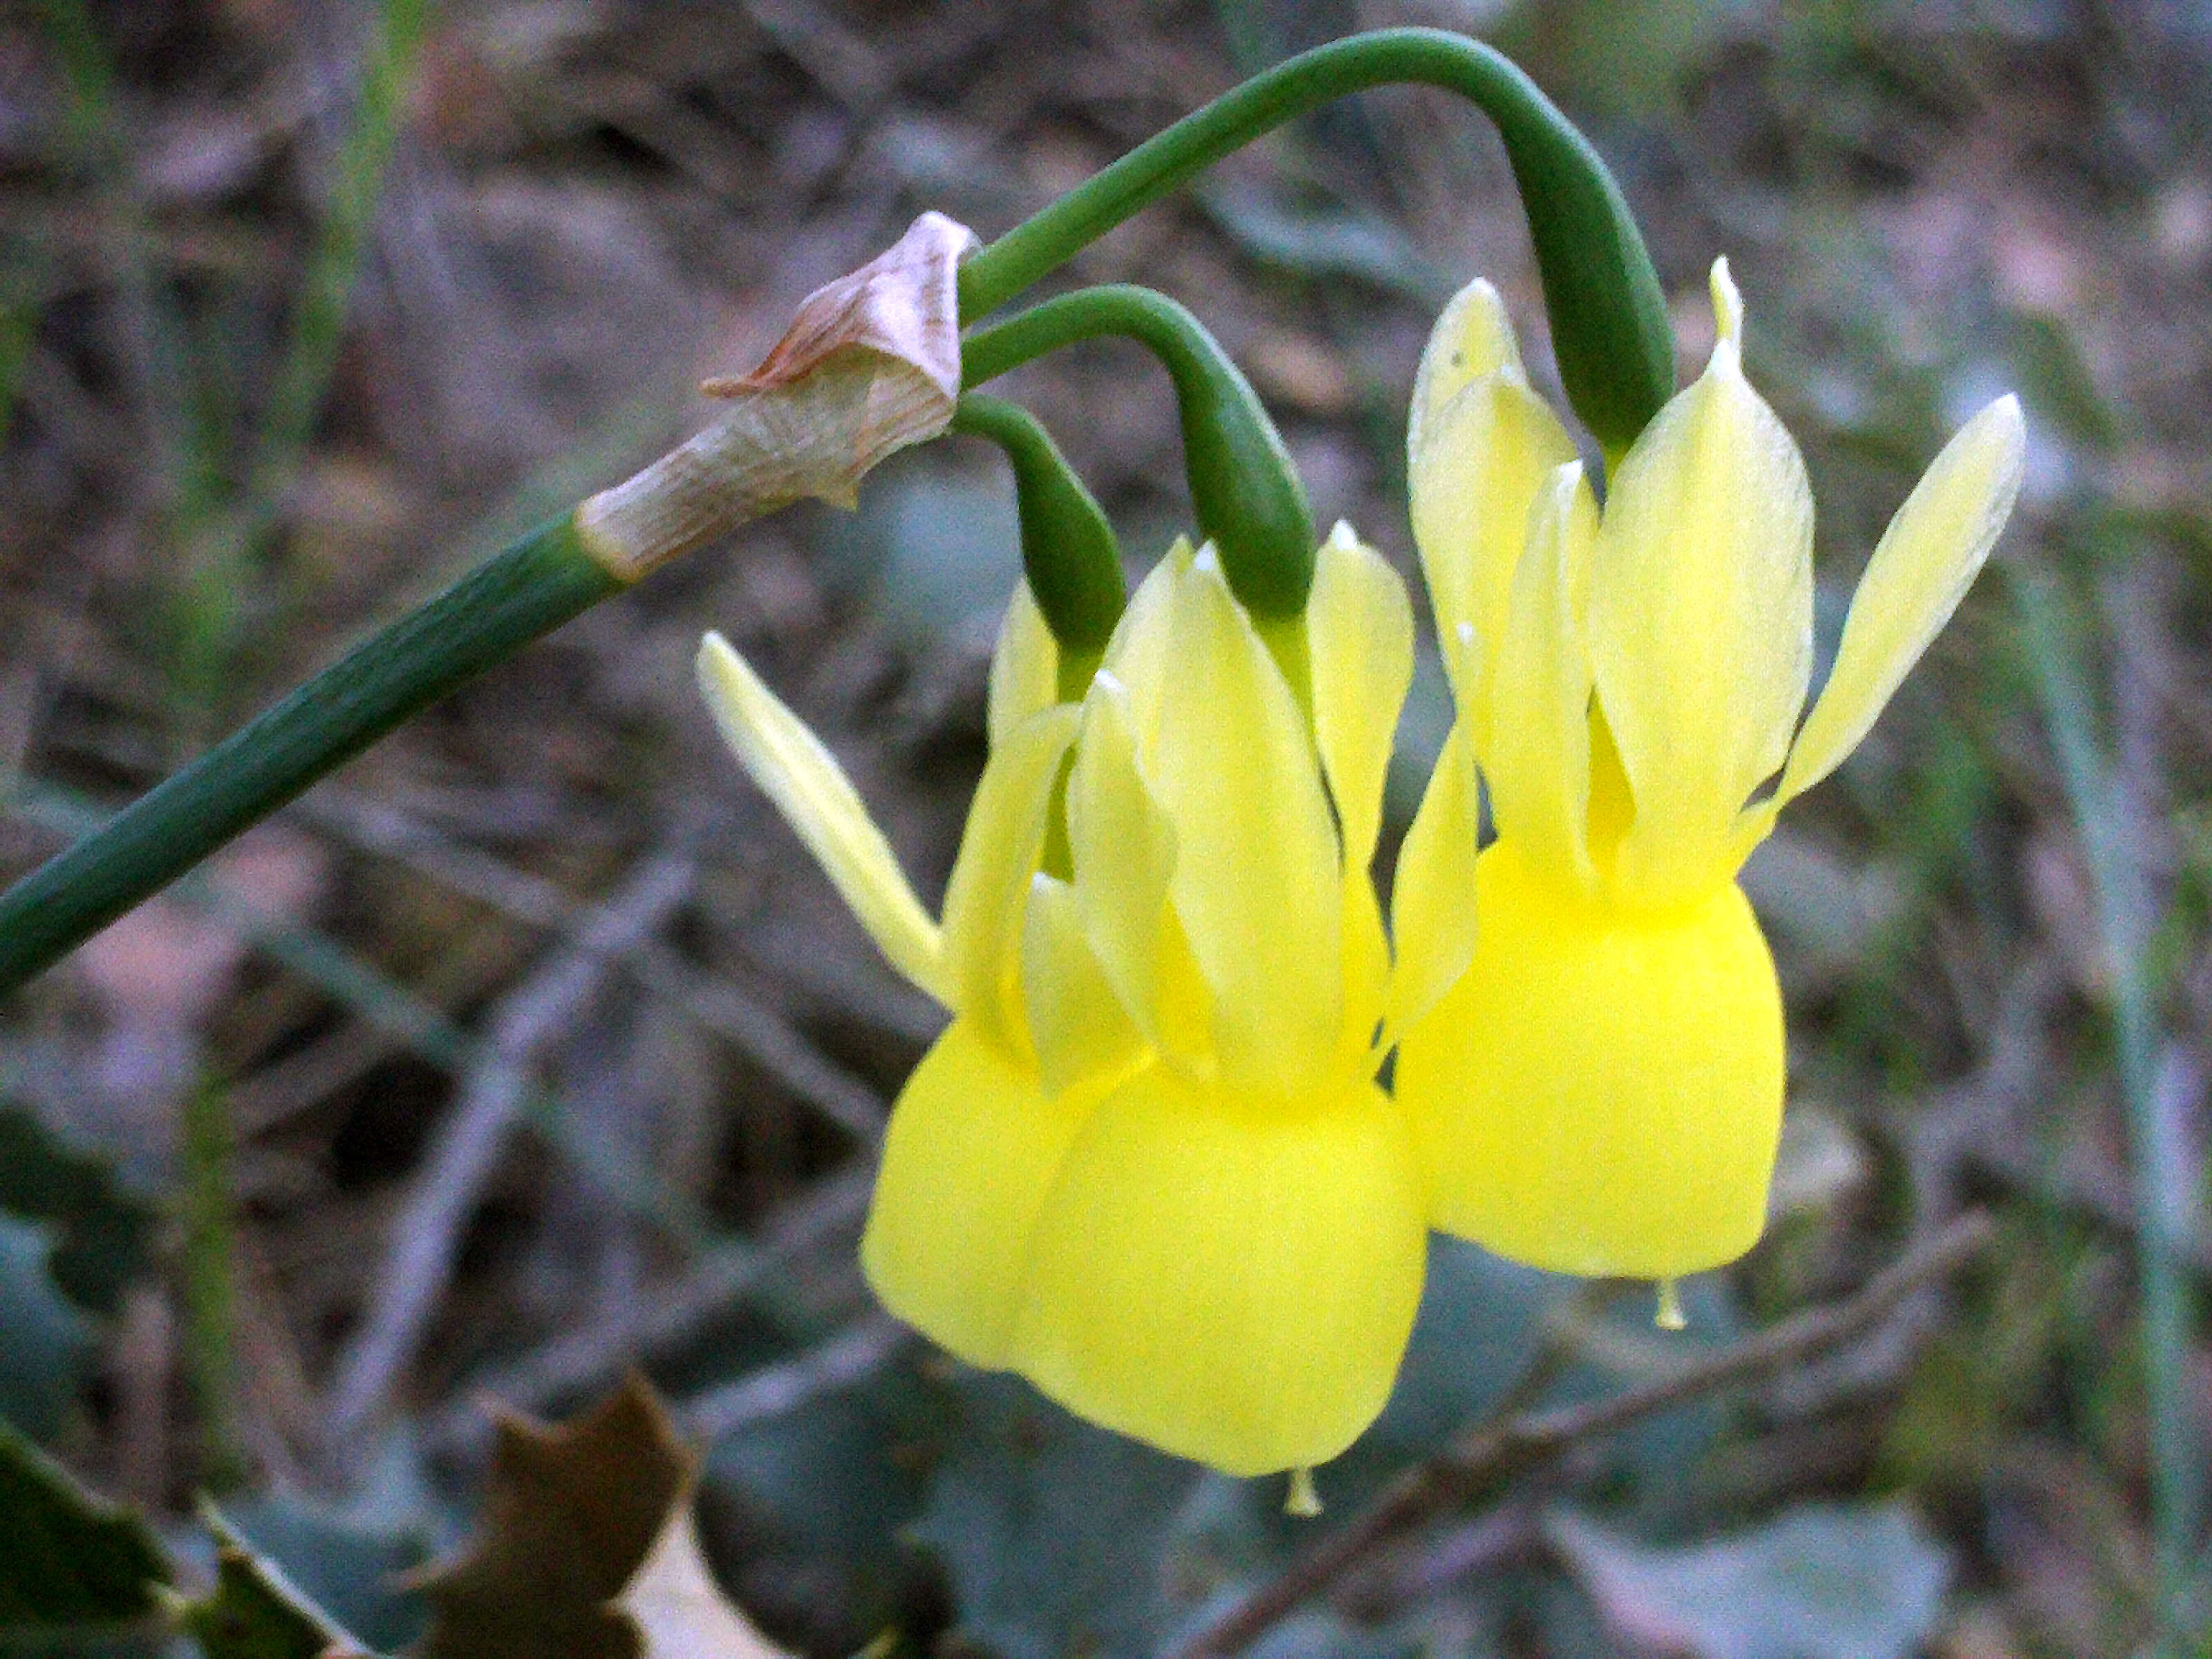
(1068,551)
(1609,325)
(1244,492)
(530,589)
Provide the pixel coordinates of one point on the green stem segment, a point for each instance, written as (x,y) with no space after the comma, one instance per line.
(1609,327)
(1068,551)
(1244,492)
(532,588)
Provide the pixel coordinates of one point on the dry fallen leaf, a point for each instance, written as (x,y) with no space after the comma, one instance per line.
(585,1548)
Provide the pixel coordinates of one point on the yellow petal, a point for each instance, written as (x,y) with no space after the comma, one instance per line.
(1701,617)
(974,1145)
(1228,1278)
(1136,654)
(1366,979)
(998,853)
(1125,848)
(1538,763)
(1478,449)
(1601,1093)
(1025,667)
(1926,560)
(817,800)
(1473,338)
(1432,914)
(1256,878)
(1359,635)
(1360,640)
(1078,1026)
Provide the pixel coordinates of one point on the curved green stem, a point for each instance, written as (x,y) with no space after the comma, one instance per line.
(1609,328)
(1244,492)
(1069,554)
(532,588)
(1609,325)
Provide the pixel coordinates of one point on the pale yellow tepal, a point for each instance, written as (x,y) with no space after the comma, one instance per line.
(1602,1092)
(975,1139)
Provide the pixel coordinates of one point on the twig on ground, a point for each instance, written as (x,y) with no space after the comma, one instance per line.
(426,1229)
(751,1027)
(766,1037)
(1489,1457)
(1484,1545)
(574,1362)
(775,1390)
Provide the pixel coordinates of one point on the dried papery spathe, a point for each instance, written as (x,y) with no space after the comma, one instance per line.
(869,364)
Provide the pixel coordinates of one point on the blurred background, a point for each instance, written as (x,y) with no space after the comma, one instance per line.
(532,1046)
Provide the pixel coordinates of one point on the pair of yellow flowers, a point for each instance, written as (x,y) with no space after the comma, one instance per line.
(1148,1166)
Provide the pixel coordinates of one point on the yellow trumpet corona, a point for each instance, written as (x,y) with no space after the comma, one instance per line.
(1148,1165)
(1601,1093)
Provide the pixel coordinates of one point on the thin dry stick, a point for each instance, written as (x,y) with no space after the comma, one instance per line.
(756,1030)
(777,1390)
(1490,1456)
(578,1360)
(427,1229)
(766,1037)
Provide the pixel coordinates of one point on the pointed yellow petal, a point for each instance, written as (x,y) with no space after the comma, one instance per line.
(1482,459)
(1137,653)
(1231,1279)
(1079,1028)
(1025,667)
(1359,635)
(1366,980)
(1124,846)
(974,1146)
(1432,917)
(1926,560)
(998,853)
(1479,443)
(1467,662)
(1360,640)
(1601,1093)
(1538,762)
(817,799)
(1473,338)
(1701,617)
(1256,878)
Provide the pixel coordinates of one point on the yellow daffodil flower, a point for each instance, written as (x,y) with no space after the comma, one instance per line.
(1147,1164)
(1228,1263)
(1602,1092)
